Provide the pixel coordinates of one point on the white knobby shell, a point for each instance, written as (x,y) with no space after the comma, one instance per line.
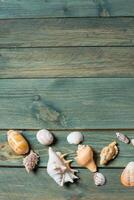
(58,168)
(45,137)
(75,137)
(99,179)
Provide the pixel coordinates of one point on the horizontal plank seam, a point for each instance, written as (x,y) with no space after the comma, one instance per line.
(75,17)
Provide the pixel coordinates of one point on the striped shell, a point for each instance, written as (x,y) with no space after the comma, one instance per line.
(127,176)
(99,179)
(122,138)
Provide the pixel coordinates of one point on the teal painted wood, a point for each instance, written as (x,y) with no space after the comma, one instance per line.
(65,8)
(96,139)
(16,184)
(67,103)
(67,62)
(67,32)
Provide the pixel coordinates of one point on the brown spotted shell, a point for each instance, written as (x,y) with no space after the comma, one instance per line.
(127,176)
(108,153)
(122,138)
(17,142)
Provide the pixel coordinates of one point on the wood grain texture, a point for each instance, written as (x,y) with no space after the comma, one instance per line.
(96,139)
(67,62)
(67,103)
(17,184)
(65,8)
(67,32)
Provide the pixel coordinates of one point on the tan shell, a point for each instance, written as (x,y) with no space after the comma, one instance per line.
(127,176)
(108,153)
(85,157)
(17,142)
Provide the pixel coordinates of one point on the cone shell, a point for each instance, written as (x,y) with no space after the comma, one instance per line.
(85,157)
(122,138)
(108,153)
(17,142)
(127,176)
(99,179)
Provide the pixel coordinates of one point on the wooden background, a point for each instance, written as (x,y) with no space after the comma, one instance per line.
(66,65)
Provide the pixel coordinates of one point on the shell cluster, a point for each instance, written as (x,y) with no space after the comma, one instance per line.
(108,153)
(75,137)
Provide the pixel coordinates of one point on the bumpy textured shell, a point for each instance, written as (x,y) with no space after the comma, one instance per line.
(75,138)
(59,168)
(85,157)
(45,137)
(122,138)
(99,179)
(108,153)
(30,161)
(17,142)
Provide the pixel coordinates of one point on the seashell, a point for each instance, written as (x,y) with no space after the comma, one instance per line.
(85,157)
(59,168)
(30,161)
(132,142)
(17,142)
(122,138)
(75,137)
(108,153)
(45,137)
(127,176)
(99,179)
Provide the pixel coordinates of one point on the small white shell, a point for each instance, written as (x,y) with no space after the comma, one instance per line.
(45,137)
(132,142)
(75,137)
(99,179)
(122,138)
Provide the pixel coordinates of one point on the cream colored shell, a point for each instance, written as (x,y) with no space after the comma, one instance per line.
(75,137)
(45,137)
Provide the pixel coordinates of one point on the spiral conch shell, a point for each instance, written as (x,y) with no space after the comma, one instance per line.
(108,153)
(85,157)
(17,142)
(127,176)
(59,168)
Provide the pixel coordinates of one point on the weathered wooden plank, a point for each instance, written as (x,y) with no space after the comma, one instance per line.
(67,62)
(67,103)
(65,8)
(16,184)
(97,139)
(67,32)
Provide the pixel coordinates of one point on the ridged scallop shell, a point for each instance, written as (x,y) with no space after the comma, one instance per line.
(85,158)
(108,153)
(17,142)
(45,137)
(75,137)
(122,138)
(127,176)
(99,179)
(59,168)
